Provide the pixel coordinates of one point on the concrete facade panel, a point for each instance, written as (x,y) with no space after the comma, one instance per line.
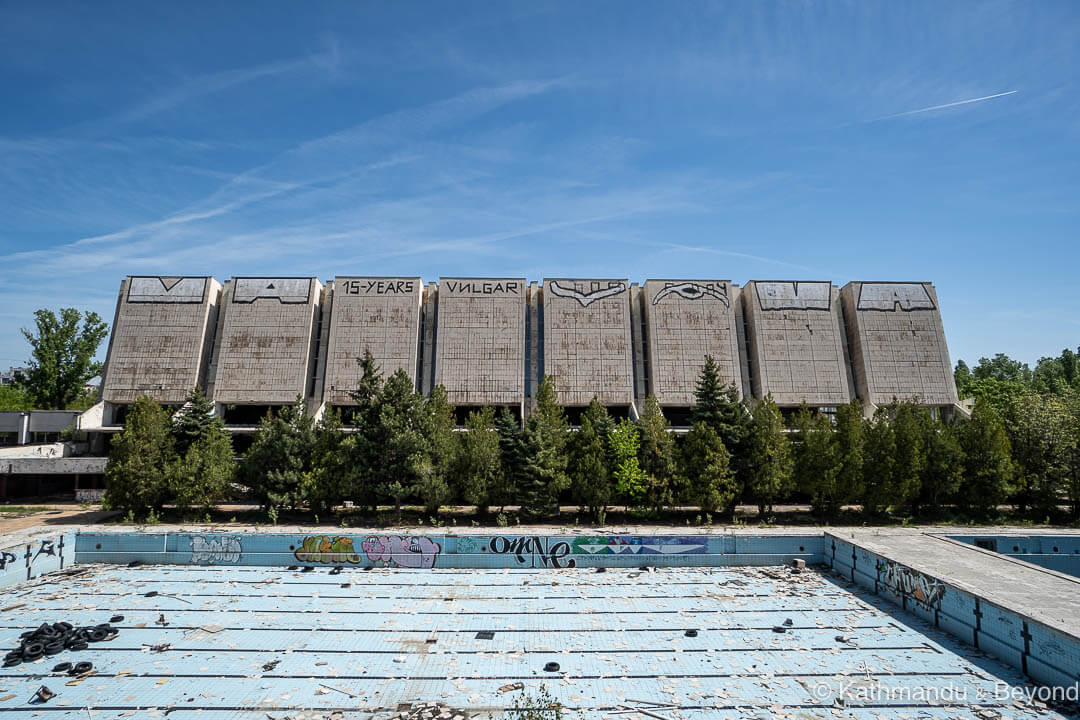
(897,343)
(161,337)
(267,333)
(797,343)
(480,346)
(687,320)
(587,340)
(377,314)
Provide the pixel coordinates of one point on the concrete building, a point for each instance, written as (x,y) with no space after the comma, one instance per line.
(265,350)
(370,313)
(685,320)
(162,333)
(587,346)
(797,343)
(897,344)
(490,341)
(480,341)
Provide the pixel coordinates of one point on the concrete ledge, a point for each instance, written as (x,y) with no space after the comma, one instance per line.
(1024,615)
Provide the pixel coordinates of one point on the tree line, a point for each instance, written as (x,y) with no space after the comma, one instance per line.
(396,447)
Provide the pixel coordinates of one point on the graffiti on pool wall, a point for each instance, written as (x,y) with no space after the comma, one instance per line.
(549,552)
(406,551)
(213,551)
(925,590)
(640,545)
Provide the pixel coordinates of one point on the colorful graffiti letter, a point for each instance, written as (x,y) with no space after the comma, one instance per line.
(923,589)
(325,549)
(408,551)
(215,550)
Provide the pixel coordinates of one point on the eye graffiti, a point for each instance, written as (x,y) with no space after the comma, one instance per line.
(694,291)
(586,299)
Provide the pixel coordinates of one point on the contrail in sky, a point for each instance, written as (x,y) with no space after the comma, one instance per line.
(946,105)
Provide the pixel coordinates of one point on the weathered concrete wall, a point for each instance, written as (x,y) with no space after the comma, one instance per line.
(687,320)
(897,343)
(480,351)
(378,314)
(265,351)
(161,338)
(797,343)
(587,340)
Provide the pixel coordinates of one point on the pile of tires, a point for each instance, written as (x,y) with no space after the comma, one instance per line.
(50,639)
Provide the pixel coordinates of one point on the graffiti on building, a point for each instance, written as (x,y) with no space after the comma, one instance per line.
(214,551)
(586,299)
(694,291)
(407,551)
(925,590)
(536,551)
(640,545)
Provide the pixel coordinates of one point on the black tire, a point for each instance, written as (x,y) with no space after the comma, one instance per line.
(96,634)
(54,648)
(81,668)
(62,667)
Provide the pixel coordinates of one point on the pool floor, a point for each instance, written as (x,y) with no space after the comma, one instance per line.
(257,642)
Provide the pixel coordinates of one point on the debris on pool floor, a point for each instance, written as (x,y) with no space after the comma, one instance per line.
(669,643)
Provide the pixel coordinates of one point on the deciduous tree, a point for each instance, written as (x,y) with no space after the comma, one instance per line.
(136,476)
(62,356)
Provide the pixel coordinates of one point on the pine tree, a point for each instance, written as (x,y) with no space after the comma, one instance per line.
(329,481)
(944,467)
(195,420)
(512,453)
(988,467)
(657,456)
(817,462)
(479,464)
(908,423)
(136,476)
(402,452)
(366,443)
(769,456)
(706,468)
(432,486)
(589,465)
(545,444)
(849,448)
(279,459)
(720,408)
(879,462)
(203,476)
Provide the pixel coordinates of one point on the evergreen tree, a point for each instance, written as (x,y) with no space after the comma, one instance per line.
(630,479)
(512,453)
(944,466)
(908,422)
(279,459)
(402,451)
(479,465)
(769,456)
(817,461)
(136,476)
(588,467)
(657,456)
(545,447)
(720,408)
(329,481)
(706,469)
(193,421)
(432,486)
(365,444)
(988,468)
(849,449)
(203,476)
(879,463)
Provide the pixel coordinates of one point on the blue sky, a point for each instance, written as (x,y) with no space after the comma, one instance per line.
(779,140)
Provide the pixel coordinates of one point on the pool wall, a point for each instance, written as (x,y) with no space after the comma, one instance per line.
(1060,553)
(24,561)
(448,550)
(1045,655)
